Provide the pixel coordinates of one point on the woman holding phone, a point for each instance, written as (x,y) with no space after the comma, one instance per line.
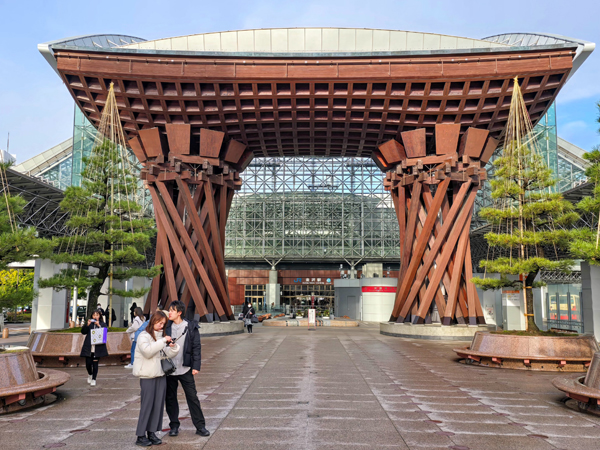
(92,353)
(150,348)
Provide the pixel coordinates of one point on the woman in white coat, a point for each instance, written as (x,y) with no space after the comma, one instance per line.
(150,348)
(137,322)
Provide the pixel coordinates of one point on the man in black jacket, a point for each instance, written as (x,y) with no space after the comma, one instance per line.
(187,363)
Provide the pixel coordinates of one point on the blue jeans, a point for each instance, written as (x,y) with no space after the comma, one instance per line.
(132,352)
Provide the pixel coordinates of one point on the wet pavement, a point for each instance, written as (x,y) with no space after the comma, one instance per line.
(344,388)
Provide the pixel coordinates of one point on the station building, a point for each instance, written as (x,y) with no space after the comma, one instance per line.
(312,208)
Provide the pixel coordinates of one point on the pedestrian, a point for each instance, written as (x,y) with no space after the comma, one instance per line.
(151,348)
(249,313)
(92,353)
(132,311)
(135,325)
(187,363)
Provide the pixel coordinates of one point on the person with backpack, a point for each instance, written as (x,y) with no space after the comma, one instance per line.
(92,353)
(187,364)
(135,325)
(151,348)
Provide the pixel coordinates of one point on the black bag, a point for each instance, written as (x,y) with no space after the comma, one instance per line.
(167,364)
(254,319)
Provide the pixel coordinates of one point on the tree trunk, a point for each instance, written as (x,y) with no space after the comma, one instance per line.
(92,303)
(531,326)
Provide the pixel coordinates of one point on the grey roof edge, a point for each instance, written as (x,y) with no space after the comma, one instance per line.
(584,48)
(51,157)
(46,48)
(572,152)
(467,51)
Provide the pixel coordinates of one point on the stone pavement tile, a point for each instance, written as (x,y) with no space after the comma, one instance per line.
(356,437)
(494,442)
(578,443)
(572,431)
(507,429)
(481,418)
(423,425)
(425,440)
(362,424)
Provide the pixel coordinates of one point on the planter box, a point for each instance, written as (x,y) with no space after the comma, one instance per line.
(546,353)
(51,349)
(21,384)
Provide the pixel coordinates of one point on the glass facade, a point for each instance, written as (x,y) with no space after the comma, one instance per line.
(563,307)
(60,174)
(312,208)
(84,135)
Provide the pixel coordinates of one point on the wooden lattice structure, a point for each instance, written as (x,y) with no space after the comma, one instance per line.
(192,189)
(434,197)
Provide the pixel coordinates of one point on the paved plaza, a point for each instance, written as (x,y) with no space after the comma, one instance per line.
(349,388)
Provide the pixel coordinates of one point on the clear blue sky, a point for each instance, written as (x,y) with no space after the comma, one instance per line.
(38,111)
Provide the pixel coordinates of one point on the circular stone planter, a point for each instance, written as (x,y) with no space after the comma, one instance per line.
(304,323)
(545,353)
(51,349)
(221,328)
(584,390)
(435,331)
(21,384)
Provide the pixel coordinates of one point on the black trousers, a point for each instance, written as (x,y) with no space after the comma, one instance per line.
(91,364)
(191,396)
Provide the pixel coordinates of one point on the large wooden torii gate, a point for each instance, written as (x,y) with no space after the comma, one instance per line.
(434,198)
(192,191)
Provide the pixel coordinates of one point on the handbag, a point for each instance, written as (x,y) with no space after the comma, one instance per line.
(98,336)
(254,319)
(167,365)
(247,322)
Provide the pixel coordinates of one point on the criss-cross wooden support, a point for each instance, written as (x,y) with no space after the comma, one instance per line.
(434,197)
(192,181)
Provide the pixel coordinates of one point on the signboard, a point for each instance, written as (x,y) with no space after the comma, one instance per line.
(379,289)
(311,280)
(312,317)
(511,298)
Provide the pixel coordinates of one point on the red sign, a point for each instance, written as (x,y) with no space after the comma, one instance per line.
(379,289)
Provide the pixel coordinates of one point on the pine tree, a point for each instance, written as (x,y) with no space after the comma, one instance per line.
(17,243)
(586,242)
(107,227)
(529,217)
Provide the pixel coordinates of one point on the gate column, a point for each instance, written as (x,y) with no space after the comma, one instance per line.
(434,198)
(192,185)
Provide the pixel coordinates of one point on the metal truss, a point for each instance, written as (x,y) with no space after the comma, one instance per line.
(312,209)
(553,277)
(42,209)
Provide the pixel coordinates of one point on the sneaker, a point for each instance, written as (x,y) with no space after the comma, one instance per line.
(93,383)
(128,366)
(89,379)
(143,441)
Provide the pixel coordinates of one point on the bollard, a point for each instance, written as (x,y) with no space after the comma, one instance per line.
(5,333)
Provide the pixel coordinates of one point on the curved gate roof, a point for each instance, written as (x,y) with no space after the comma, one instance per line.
(315,91)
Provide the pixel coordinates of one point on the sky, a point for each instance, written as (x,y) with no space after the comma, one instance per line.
(37,110)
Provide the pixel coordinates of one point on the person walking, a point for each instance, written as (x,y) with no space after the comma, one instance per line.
(249,313)
(187,364)
(132,311)
(92,353)
(135,325)
(150,349)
